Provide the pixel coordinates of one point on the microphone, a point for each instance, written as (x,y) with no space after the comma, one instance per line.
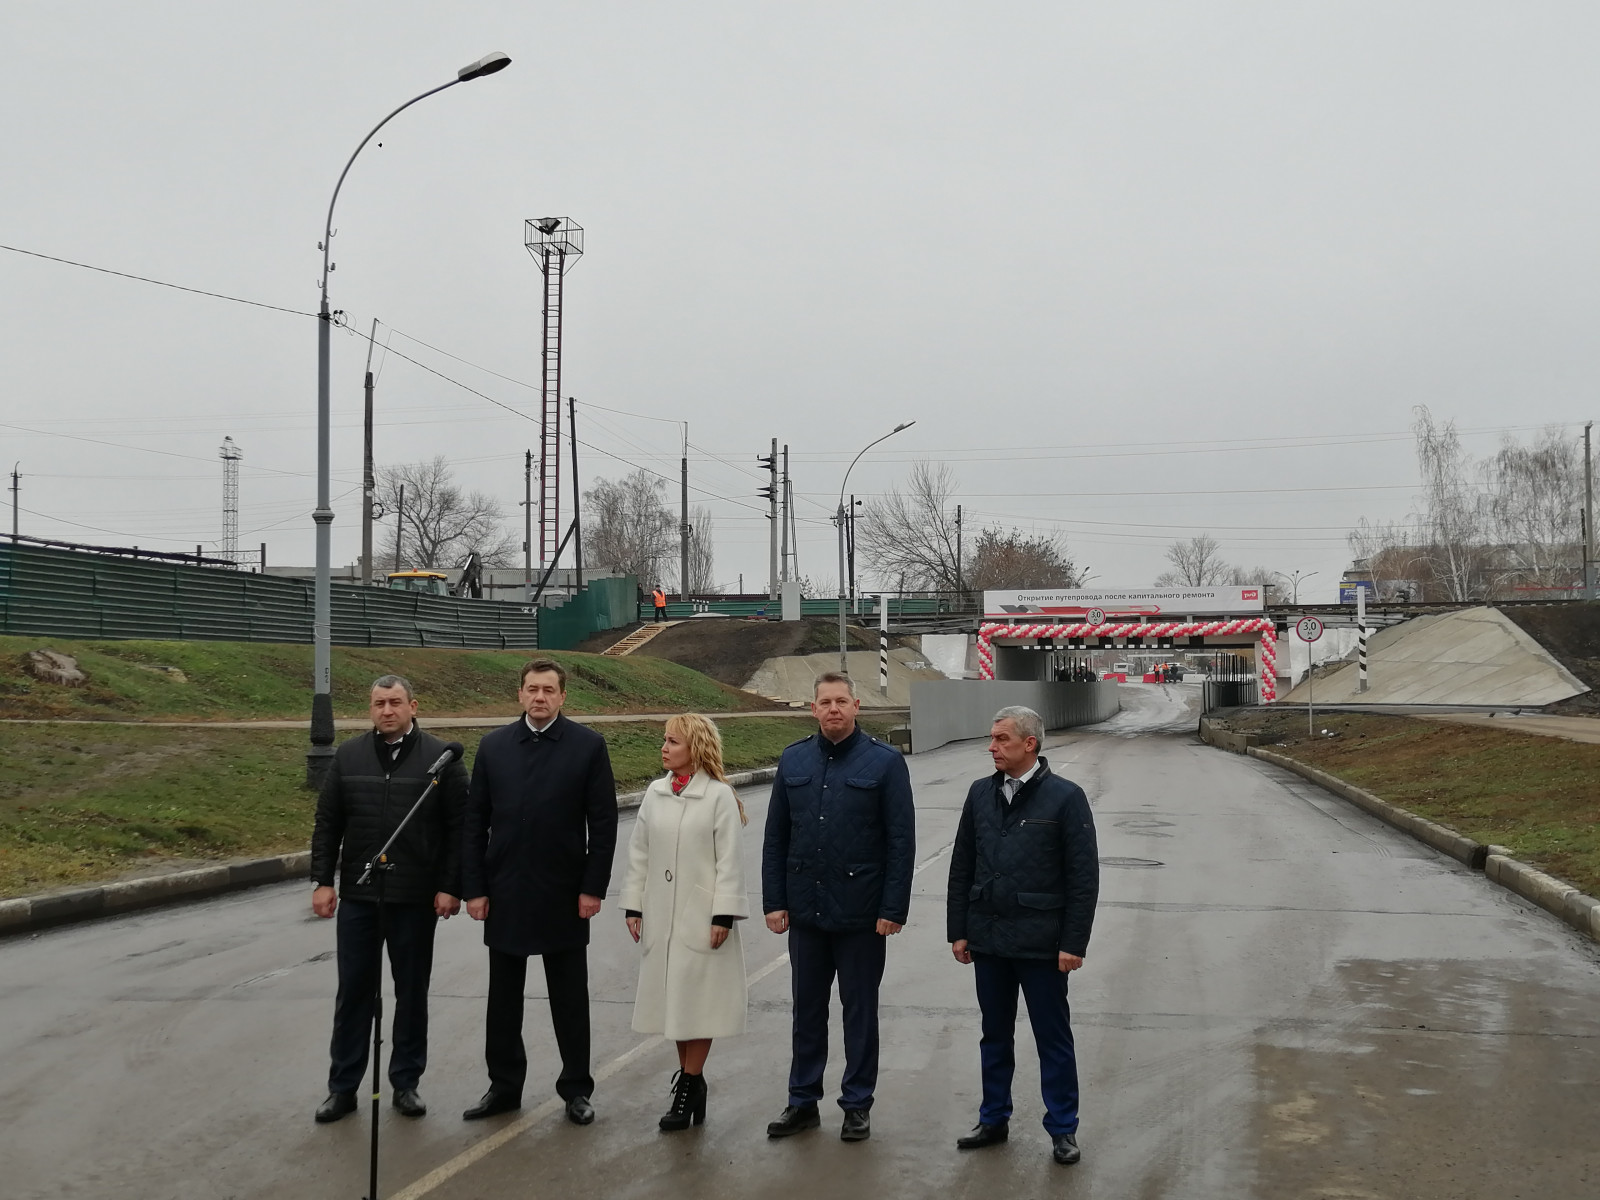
(451,752)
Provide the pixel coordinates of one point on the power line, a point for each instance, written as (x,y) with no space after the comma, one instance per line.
(177,287)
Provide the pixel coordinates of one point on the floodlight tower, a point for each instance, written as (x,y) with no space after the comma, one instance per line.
(231,454)
(556,243)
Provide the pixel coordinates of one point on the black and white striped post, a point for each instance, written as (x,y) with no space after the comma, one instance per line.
(1361,637)
(883,643)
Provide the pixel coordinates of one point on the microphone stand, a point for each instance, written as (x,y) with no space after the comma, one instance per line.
(380,864)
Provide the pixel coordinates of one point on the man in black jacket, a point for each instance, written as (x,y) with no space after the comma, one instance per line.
(1024,877)
(836,868)
(373,782)
(540,829)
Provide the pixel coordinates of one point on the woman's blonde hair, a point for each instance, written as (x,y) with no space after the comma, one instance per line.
(705,749)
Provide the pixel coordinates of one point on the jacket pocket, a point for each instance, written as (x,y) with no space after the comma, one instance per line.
(794,781)
(1041,900)
(866,785)
(692,927)
(1038,821)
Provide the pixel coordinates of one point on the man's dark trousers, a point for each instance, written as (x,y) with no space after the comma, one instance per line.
(409,930)
(566,976)
(1044,986)
(815,958)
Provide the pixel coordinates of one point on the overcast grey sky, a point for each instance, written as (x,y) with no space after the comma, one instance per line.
(1138,271)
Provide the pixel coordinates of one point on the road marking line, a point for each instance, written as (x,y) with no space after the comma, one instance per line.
(479,1151)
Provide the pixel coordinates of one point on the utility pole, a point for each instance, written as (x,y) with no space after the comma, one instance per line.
(577,525)
(770,462)
(683,521)
(399,525)
(961,592)
(369,481)
(850,549)
(1588,514)
(527,525)
(783,558)
(16,490)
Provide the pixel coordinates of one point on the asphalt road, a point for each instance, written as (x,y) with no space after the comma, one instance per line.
(1296,1002)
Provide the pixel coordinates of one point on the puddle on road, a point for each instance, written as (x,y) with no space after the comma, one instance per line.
(1444,1079)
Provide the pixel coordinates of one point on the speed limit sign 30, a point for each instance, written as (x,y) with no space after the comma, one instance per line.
(1309,629)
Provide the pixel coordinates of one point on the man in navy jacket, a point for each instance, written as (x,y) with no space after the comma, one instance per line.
(836,876)
(1024,878)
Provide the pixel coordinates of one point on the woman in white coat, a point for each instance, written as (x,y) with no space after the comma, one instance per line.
(683,900)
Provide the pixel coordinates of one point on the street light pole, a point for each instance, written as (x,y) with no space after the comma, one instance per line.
(1294,582)
(839,517)
(321,752)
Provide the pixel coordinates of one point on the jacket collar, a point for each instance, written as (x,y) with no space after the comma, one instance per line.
(406,744)
(839,749)
(1028,788)
(553,731)
(693,790)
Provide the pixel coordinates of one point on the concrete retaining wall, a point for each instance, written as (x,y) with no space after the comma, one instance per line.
(952,710)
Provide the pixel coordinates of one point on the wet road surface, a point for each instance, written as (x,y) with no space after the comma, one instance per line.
(1296,1002)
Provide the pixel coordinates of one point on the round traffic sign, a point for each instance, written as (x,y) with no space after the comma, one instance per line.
(1309,629)
(1096,616)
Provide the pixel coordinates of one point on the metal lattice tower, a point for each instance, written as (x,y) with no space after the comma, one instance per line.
(231,454)
(556,243)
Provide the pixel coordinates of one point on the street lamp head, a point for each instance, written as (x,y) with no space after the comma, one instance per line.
(487,65)
(903,425)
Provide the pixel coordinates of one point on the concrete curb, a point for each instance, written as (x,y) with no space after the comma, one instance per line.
(1556,896)
(24,914)
(1236,743)
(27,913)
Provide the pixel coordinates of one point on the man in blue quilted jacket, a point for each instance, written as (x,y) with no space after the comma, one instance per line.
(836,870)
(1024,880)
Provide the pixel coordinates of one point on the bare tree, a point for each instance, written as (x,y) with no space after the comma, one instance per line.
(1455,514)
(702,566)
(1534,508)
(913,532)
(1009,558)
(1195,563)
(442,523)
(1275,590)
(628,527)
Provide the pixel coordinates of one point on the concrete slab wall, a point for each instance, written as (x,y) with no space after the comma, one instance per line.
(954,709)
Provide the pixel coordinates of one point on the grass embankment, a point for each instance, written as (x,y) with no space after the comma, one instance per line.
(241,681)
(1538,796)
(83,803)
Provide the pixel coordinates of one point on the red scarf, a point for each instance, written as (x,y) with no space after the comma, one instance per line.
(679,782)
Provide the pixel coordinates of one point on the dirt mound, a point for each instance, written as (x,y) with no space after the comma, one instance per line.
(1570,632)
(730,649)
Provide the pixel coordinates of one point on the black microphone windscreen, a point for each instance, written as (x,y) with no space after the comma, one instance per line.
(452,752)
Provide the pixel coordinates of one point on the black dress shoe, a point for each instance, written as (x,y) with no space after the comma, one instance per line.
(337,1105)
(408,1104)
(492,1104)
(580,1111)
(985,1135)
(857,1126)
(1066,1150)
(797,1118)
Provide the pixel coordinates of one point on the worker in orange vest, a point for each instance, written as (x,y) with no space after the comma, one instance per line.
(660,599)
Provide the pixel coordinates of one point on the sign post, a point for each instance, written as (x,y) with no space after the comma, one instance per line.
(1309,630)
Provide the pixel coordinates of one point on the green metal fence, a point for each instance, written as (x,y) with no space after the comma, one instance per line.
(899,606)
(61,593)
(602,604)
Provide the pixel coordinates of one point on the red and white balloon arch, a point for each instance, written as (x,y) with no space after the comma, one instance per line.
(1267,659)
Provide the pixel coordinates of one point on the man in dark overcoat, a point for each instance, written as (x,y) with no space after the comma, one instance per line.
(370,787)
(836,868)
(541,826)
(1024,878)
